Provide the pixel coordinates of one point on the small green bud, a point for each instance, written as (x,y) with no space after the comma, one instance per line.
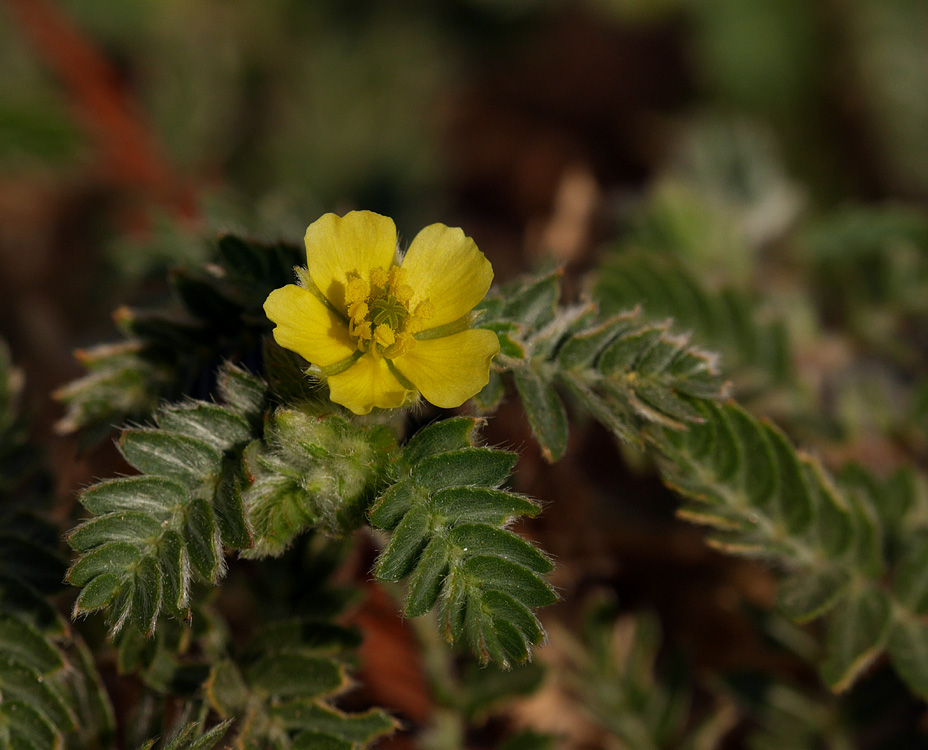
(311,470)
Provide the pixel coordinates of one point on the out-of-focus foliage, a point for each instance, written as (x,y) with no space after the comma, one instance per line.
(613,671)
(279,690)
(35,125)
(176,350)
(51,689)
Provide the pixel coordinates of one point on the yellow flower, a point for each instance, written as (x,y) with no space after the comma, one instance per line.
(381,328)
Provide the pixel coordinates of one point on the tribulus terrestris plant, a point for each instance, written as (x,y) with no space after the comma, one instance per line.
(293,447)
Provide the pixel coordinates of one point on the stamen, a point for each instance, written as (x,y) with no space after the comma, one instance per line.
(425,310)
(404,342)
(356,291)
(379,277)
(381,321)
(361,330)
(384,336)
(403,293)
(358,311)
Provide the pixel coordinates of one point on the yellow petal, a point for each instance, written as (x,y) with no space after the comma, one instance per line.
(451,369)
(445,267)
(337,247)
(366,384)
(305,325)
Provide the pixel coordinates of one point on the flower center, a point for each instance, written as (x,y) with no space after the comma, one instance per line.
(381,318)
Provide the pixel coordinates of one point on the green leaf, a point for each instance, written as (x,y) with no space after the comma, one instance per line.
(395,503)
(241,391)
(23,685)
(202,541)
(755,350)
(795,504)
(360,728)
(219,427)
(226,689)
(473,467)
(624,371)
(157,528)
(174,565)
(97,594)
(545,412)
(498,543)
(765,499)
(158,452)
(156,496)
(440,437)
(426,580)
(146,595)
(534,300)
(132,527)
(857,629)
(807,595)
(475,505)
(30,728)
(509,578)
(110,558)
(294,674)
(908,649)
(910,584)
(289,672)
(405,547)
(446,523)
(834,526)
(217,315)
(229,507)
(28,645)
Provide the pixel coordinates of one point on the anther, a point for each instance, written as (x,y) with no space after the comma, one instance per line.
(379,277)
(384,336)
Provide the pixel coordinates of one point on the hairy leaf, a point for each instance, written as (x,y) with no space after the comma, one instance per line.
(156,532)
(622,370)
(446,515)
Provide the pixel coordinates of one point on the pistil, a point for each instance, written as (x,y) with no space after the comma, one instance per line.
(381,318)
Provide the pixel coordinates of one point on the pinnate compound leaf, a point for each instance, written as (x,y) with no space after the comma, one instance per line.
(192,737)
(50,690)
(447,517)
(754,346)
(284,681)
(624,371)
(154,533)
(854,551)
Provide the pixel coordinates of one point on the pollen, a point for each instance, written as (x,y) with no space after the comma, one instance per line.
(356,291)
(381,317)
(384,336)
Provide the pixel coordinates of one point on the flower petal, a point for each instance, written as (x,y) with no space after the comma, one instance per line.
(445,267)
(366,384)
(337,246)
(451,369)
(305,325)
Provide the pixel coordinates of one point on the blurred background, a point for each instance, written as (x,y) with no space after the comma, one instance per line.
(736,132)
(128,128)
